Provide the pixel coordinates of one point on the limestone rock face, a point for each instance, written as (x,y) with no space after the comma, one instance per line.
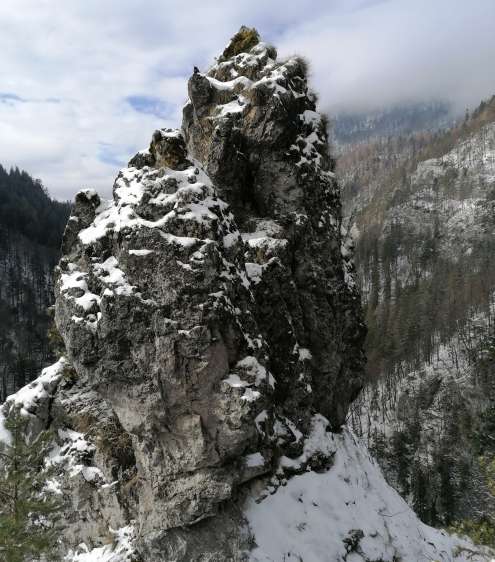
(209,313)
(252,122)
(159,322)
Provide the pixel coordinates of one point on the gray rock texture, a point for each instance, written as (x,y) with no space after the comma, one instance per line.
(208,313)
(252,122)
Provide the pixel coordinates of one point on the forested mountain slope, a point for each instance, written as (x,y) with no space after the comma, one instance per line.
(31,227)
(424,210)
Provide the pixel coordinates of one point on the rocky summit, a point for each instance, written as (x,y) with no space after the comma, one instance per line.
(213,344)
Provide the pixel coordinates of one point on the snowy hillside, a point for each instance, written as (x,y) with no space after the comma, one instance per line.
(346,513)
(430,421)
(425,261)
(452,196)
(341,511)
(31,227)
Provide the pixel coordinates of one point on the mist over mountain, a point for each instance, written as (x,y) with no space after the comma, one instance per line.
(348,128)
(74,124)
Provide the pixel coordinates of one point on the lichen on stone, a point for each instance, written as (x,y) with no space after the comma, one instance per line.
(241,42)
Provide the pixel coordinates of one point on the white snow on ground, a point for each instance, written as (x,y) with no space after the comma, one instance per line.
(121,551)
(193,201)
(235,382)
(192,183)
(254,271)
(303,353)
(78,280)
(266,243)
(53,486)
(346,513)
(319,517)
(110,274)
(252,367)
(142,252)
(71,455)
(28,396)
(235,106)
(254,459)
(230,85)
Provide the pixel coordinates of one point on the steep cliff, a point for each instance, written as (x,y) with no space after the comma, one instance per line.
(252,122)
(213,340)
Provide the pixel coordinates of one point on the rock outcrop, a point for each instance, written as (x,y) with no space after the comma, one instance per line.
(213,330)
(204,346)
(159,322)
(252,122)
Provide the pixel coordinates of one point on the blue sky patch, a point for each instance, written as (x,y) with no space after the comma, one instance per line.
(151,105)
(110,154)
(7,97)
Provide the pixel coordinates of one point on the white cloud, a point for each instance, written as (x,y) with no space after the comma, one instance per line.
(401,50)
(92,56)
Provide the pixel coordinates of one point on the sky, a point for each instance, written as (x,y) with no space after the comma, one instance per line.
(84,83)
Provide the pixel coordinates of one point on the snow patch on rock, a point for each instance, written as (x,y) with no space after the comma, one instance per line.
(120,551)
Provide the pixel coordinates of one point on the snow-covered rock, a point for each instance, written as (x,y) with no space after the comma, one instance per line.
(214,343)
(329,503)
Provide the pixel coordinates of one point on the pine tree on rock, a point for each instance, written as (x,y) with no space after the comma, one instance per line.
(28,513)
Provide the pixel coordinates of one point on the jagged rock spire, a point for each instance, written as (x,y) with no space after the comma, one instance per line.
(187,415)
(252,122)
(208,313)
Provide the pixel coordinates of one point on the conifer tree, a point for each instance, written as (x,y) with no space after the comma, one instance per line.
(28,513)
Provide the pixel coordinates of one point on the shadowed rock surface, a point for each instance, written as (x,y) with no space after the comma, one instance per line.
(199,344)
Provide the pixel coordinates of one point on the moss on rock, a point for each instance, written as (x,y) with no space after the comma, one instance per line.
(243,40)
